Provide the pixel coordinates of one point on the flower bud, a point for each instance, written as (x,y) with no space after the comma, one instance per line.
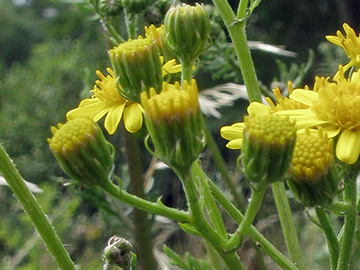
(187,31)
(82,151)
(267,148)
(110,7)
(118,252)
(137,67)
(315,180)
(175,124)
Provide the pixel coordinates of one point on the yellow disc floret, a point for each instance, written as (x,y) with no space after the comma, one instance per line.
(313,156)
(82,151)
(172,102)
(267,148)
(174,122)
(270,129)
(133,45)
(67,137)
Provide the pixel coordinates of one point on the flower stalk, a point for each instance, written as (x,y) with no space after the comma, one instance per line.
(287,223)
(330,236)
(253,233)
(350,176)
(198,220)
(35,213)
(237,33)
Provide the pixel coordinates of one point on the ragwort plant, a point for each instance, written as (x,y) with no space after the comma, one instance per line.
(309,139)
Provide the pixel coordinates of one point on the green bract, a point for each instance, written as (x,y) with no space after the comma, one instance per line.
(267,148)
(174,121)
(137,67)
(82,151)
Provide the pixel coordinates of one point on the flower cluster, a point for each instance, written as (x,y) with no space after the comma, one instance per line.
(138,66)
(332,105)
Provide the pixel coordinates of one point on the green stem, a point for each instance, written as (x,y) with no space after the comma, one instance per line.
(242,9)
(35,213)
(150,207)
(200,223)
(186,70)
(330,236)
(287,223)
(254,234)
(141,222)
(238,36)
(130,24)
(350,219)
(109,28)
(255,201)
(221,165)
(210,203)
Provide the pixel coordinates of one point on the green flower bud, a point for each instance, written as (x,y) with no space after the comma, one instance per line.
(175,124)
(187,30)
(110,7)
(82,151)
(118,252)
(315,180)
(267,148)
(137,67)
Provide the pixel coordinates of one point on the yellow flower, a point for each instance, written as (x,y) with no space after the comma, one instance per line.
(107,101)
(315,179)
(174,121)
(350,44)
(336,107)
(234,133)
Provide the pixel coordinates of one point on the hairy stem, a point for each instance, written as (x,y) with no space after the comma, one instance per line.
(35,213)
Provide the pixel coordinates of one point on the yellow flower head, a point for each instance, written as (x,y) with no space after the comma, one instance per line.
(82,151)
(107,101)
(315,180)
(137,67)
(313,155)
(284,103)
(172,102)
(267,147)
(336,107)
(350,44)
(174,122)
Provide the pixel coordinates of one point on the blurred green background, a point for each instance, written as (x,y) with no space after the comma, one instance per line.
(49,51)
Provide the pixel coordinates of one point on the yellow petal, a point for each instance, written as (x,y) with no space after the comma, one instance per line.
(113,118)
(304,96)
(235,144)
(133,118)
(90,107)
(331,131)
(348,146)
(257,108)
(334,39)
(232,132)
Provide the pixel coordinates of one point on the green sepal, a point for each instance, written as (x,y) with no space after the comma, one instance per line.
(317,193)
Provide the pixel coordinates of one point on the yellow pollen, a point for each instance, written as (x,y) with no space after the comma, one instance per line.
(270,129)
(133,46)
(284,103)
(172,102)
(67,137)
(313,155)
(338,102)
(106,89)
